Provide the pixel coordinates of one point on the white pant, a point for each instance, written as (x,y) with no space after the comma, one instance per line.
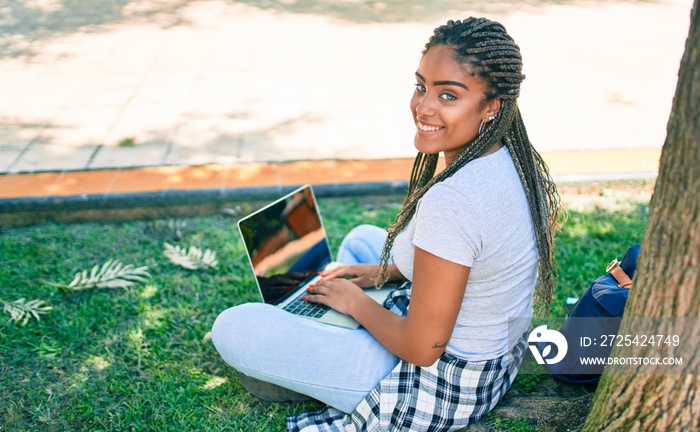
(338,366)
(362,245)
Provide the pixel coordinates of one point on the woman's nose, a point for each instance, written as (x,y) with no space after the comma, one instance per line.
(425,106)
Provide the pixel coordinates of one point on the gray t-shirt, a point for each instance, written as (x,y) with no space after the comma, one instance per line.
(480,218)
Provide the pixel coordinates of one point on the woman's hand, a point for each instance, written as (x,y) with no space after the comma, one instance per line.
(362,275)
(339,294)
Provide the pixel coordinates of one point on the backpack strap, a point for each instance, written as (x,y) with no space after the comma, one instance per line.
(620,276)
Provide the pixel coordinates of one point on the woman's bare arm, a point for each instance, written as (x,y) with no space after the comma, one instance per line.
(436,297)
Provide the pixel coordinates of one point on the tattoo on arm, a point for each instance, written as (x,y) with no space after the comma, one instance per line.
(439,345)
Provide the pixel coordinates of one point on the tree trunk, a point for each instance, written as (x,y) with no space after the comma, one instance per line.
(667,282)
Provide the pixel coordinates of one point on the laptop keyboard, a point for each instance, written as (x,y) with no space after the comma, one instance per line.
(305,308)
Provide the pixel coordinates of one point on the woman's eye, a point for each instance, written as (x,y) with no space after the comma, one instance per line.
(448,96)
(420,88)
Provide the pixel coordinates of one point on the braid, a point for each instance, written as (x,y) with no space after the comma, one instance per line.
(495,58)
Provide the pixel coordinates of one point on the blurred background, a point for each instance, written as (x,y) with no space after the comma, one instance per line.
(131,83)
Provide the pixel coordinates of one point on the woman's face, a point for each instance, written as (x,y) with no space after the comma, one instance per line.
(447,104)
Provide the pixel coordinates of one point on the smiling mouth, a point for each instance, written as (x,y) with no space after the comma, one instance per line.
(427,128)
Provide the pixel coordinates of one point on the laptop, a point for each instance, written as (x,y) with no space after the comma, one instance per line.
(287,246)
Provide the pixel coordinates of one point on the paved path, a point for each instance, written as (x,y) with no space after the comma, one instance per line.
(230,82)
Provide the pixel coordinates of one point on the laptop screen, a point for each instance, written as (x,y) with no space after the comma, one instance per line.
(286,244)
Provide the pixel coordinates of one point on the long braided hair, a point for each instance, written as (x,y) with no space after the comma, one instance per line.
(493,56)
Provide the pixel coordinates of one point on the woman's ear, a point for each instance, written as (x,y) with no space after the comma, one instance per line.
(493,107)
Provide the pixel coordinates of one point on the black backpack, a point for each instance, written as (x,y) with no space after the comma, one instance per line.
(594,318)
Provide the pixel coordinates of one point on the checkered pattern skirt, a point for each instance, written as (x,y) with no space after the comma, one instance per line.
(446,396)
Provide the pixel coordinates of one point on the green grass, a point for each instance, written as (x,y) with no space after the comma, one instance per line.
(135,359)
(510,425)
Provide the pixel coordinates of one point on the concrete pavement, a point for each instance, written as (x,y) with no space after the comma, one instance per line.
(114,85)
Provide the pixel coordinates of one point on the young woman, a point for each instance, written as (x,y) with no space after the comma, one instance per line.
(472,240)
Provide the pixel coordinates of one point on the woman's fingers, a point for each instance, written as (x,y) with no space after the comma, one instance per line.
(316,292)
(355,277)
(317,288)
(336,273)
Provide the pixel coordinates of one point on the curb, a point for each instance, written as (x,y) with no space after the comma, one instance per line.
(180,203)
(199,202)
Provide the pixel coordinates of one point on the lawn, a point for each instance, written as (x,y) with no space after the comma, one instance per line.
(137,358)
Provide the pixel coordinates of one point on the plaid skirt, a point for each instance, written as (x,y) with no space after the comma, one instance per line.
(446,396)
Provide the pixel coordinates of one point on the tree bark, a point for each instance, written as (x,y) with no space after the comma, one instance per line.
(667,280)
